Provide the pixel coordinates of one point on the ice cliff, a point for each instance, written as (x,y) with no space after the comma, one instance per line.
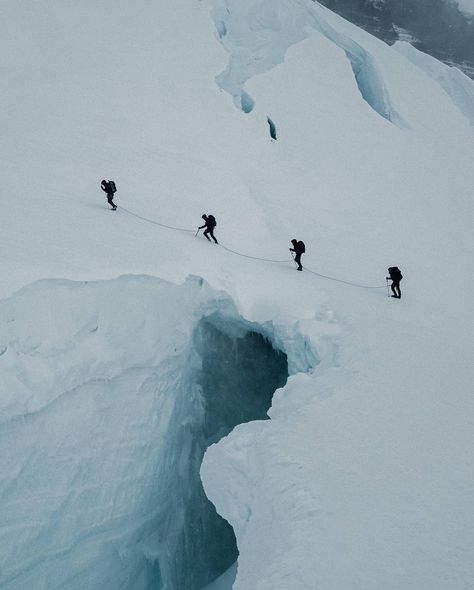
(114,391)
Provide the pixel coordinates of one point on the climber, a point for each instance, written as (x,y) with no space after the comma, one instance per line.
(209,224)
(298,249)
(109,188)
(395,276)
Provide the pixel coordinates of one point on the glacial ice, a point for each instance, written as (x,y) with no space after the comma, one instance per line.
(257,35)
(455,83)
(99,478)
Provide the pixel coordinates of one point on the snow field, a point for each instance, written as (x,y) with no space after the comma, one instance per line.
(363,477)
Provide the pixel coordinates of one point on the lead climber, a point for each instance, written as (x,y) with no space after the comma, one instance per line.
(108,186)
(209,224)
(299,249)
(395,276)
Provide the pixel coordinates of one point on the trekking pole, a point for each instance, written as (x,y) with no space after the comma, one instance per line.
(293,256)
(198,230)
(388,292)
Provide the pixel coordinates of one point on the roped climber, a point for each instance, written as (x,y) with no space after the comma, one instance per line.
(209,224)
(395,276)
(299,249)
(108,186)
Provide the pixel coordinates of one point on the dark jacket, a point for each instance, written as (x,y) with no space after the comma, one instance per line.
(105,186)
(209,222)
(298,247)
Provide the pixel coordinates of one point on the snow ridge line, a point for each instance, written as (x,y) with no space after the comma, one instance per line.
(249,256)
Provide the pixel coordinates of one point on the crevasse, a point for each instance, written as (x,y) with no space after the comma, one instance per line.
(108,424)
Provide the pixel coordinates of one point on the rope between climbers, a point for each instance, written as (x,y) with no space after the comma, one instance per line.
(248,255)
(252,257)
(155,222)
(342,281)
(192,231)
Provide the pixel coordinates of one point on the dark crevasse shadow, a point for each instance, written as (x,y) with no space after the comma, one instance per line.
(272,129)
(236,371)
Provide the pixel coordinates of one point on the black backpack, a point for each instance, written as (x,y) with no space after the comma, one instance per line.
(301,247)
(211,221)
(395,273)
(112,187)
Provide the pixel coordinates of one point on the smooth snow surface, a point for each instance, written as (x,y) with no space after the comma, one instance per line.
(363,477)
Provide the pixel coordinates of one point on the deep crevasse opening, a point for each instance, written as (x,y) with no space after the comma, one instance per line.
(100,480)
(237,372)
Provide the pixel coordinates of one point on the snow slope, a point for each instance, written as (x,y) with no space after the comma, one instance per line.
(363,476)
(456,84)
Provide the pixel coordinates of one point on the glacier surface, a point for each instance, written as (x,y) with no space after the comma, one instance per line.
(363,476)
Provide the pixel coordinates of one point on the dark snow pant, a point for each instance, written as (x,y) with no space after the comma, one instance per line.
(209,231)
(110,201)
(396,289)
(298,261)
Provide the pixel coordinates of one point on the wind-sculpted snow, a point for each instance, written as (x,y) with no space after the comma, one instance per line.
(458,86)
(257,35)
(367,72)
(99,476)
(76,336)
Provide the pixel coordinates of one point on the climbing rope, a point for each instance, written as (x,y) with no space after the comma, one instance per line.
(152,221)
(155,222)
(252,257)
(313,272)
(342,281)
